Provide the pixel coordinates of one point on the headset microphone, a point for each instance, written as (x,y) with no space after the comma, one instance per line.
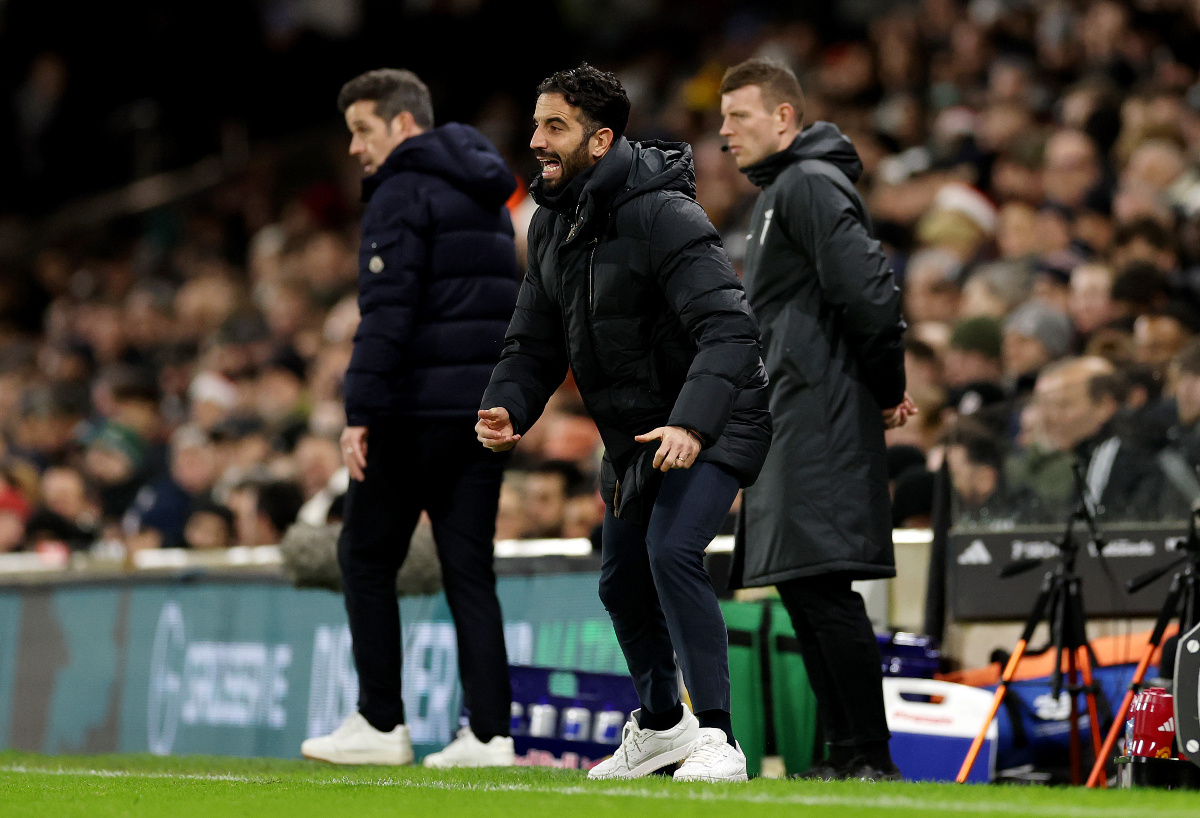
(724,149)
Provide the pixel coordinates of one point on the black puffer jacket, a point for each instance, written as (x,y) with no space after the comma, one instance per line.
(628,285)
(437,278)
(833,335)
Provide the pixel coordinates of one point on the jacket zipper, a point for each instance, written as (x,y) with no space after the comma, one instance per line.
(592,278)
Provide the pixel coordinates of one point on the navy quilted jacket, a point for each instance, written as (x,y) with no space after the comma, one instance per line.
(437,278)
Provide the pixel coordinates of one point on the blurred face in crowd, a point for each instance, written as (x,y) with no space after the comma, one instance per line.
(1023,354)
(194,466)
(1070,168)
(207,530)
(1016,231)
(1067,412)
(1156,164)
(317,458)
(64,493)
(930,293)
(564,141)
(373,139)
(1187,396)
(973,482)
(1090,304)
(753,129)
(1156,339)
(545,504)
(582,515)
(277,392)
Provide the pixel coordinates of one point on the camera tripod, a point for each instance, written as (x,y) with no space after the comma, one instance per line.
(1060,604)
(1180,603)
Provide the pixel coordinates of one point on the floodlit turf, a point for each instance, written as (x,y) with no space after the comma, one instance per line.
(134,785)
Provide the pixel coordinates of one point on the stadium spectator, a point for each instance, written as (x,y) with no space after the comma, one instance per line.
(161,510)
(547,489)
(1034,335)
(1078,399)
(975,352)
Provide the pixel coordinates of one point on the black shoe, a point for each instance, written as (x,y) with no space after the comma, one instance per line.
(821,772)
(862,771)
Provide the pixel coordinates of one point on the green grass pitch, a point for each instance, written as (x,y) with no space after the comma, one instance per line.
(137,785)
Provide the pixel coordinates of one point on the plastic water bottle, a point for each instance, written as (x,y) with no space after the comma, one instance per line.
(543,718)
(607,727)
(576,723)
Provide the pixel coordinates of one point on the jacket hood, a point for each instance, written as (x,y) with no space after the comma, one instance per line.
(628,170)
(457,153)
(821,140)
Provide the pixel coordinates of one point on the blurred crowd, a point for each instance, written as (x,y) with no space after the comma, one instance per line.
(174,379)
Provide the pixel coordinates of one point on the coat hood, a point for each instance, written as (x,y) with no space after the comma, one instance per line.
(628,170)
(821,140)
(457,153)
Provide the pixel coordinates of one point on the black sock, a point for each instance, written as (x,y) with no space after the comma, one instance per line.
(665,720)
(486,735)
(878,754)
(719,719)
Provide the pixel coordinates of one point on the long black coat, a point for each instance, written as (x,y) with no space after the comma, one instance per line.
(833,334)
(627,284)
(437,278)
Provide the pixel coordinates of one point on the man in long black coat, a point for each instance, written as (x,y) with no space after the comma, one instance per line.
(820,515)
(437,284)
(628,285)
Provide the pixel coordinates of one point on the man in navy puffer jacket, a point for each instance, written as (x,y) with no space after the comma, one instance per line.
(437,287)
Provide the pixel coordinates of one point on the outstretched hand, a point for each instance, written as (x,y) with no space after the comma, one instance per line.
(899,414)
(495,429)
(678,450)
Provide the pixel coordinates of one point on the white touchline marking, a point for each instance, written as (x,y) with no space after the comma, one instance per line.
(883,802)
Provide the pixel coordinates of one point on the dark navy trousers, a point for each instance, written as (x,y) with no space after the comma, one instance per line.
(437,466)
(660,598)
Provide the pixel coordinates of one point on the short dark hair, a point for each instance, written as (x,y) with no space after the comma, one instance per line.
(597,93)
(1112,385)
(1148,229)
(393,90)
(280,501)
(574,481)
(776,79)
(1143,285)
(982,447)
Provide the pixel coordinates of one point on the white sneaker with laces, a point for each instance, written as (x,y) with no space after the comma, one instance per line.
(468,751)
(357,742)
(644,751)
(713,759)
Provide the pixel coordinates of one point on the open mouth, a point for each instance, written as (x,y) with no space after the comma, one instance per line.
(551,168)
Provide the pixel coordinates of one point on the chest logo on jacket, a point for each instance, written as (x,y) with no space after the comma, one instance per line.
(375,265)
(766,224)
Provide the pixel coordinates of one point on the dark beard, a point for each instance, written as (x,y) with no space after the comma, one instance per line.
(572,165)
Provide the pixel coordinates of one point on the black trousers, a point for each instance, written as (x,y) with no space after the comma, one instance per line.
(841,657)
(660,598)
(437,466)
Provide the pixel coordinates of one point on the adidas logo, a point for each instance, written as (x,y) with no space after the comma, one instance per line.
(1168,726)
(975,554)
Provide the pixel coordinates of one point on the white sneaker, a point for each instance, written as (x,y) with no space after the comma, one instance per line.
(713,759)
(468,751)
(644,751)
(357,742)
